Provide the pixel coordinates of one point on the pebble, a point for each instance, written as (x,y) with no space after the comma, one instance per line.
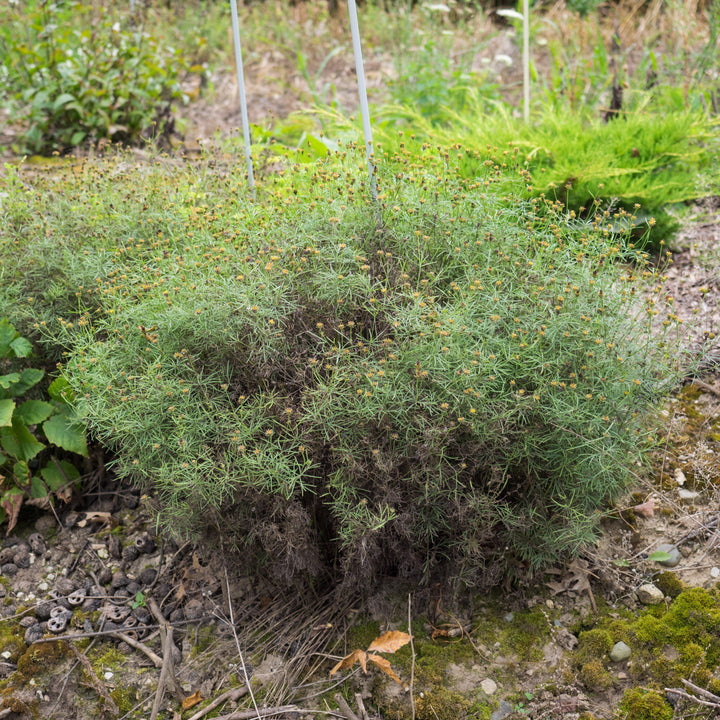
(488,686)
(33,634)
(9,569)
(672,551)
(650,595)
(688,496)
(509,617)
(503,711)
(109,675)
(714,572)
(620,652)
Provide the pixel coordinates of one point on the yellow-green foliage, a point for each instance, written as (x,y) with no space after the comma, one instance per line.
(642,704)
(667,644)
(669,583)
(12,640)
(595,677)
(441,704)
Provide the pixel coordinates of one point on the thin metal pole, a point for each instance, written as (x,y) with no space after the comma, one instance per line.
(243,99)
(362,91)
(526,60)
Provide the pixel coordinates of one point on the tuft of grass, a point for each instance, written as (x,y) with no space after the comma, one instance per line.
(458,388)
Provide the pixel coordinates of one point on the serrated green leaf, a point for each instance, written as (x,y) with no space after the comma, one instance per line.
(35,411)
(19,442)
(67,435)
(21,347)
(7,407)
(37,487)
(21,471)
(58,473)
(28,378)
(7,380)
(61,390)
(7,335)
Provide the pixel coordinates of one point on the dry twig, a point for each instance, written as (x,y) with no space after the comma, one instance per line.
(706,698)
(95,681)
(156,659)
(345,709)
(261,713)
(167,673)
(230,695)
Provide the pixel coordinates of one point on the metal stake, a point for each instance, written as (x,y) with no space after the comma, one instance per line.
(243,99)
(362,91)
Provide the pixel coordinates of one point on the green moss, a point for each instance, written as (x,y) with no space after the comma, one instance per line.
(41,658)
(106,658)
(643,704)
(595,677)
(527,633)
(441,704)
(205,637)
(12,640)
(125,698)
(593,644)
(360,636)
(669,583)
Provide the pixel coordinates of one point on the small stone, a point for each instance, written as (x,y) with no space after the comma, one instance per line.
(680,478)
(714,572)
(43,586)
(509,617)
(194,610)
(37,543)
(650,595)
(130,553)
(43,610)
(64,586)
(102,553)
(620,652)
(670,550)
(688,496)
(622,676)
(109,675)
(488,686)
(504,709)
(33,634)
(27,620)
(119,579)
(9,569)
(147,576)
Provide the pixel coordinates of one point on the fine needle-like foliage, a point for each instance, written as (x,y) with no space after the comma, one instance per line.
(455,381)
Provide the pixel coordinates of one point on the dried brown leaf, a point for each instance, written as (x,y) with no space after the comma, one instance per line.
(384,665)
(11,503)
(191,700)
(349,660)
(389,642)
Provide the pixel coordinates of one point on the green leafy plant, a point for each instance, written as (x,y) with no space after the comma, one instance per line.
(460,388)
(73,76)
(32,432)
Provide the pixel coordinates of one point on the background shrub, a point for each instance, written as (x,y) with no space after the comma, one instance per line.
(74,74)
(458,388)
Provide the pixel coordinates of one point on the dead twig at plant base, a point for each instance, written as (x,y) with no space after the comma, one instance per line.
(95,681)
(412,652)
(230,695)
(5,712)
(345,708)
(261,713)
(361,706)
(237,644)
(167,673)
(154,657)
(710,699)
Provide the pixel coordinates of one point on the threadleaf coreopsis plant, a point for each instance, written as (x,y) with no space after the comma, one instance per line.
(460,388)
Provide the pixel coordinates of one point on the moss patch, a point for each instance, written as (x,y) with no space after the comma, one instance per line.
(641,704)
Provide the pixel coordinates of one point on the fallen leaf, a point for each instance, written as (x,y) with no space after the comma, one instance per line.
(646,509)
(191,700)
(384,665)
(349,660)
(389,642)
(11,502)
(102,518)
